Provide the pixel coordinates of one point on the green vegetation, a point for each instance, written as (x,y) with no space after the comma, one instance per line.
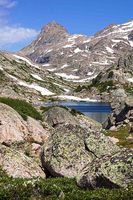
(122,134)
(101,86)
(2,77)
(105,86)
(22,107)
(128,89)
(80,88)
(110,75)
(96,80)
(13,62)
(55,189)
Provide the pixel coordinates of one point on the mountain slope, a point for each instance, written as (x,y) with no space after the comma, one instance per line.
(77,57)
(21,78)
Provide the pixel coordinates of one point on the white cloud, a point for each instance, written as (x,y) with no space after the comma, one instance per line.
(11,35)
(7,4)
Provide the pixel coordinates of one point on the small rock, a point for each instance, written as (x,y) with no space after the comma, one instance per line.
(126,121)
(113,128)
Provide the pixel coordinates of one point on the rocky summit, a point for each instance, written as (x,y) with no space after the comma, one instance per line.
(78,57)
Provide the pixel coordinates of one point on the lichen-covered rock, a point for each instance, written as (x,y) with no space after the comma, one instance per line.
(109,171)
(16,164)
(100,144)
(87,122)
(64,154)
(57,115)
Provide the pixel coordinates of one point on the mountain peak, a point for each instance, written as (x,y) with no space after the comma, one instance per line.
(51,33)
(53,27)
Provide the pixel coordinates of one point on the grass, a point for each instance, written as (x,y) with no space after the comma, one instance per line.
(101,86)
(121,134)
(128,89)
(55,189)
(22,107)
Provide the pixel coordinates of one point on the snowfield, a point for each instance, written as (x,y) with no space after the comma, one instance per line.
(43,91)
(26,60)
(67,97)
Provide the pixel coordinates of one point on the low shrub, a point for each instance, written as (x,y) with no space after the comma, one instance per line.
(55,189)
(22,107)
(110,75)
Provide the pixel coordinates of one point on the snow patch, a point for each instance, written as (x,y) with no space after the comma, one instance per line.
(76,98)
(40,89)
(85,79)
(68,45)
(109,50)
(49,50)
(90,73)
(130,80)
(13,77)
(64,66)
(105,62)
(26,60)
(37,77)
(131,43)
(77,50)
(75,70)
(1,68)
(67,76)
(46,65)
(86,41)
(52,69)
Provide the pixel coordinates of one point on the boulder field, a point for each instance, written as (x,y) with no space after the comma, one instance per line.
(62,144)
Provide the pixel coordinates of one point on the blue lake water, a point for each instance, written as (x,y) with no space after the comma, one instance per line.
(96,110)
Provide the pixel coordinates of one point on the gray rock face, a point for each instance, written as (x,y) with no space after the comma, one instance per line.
(122,112)
(57,115)
(100,145)
(64,154)
(73,144)
(109,171)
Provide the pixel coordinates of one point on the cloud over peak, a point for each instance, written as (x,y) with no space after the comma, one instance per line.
(11,34)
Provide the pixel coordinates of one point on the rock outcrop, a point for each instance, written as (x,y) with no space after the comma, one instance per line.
(122,113)
(64,154)
(12,127)
(100,145)
(20,144)
(17,164)
(109,171)
(73,145)
(57,115)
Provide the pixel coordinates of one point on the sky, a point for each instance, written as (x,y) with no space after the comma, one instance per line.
(21,20)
